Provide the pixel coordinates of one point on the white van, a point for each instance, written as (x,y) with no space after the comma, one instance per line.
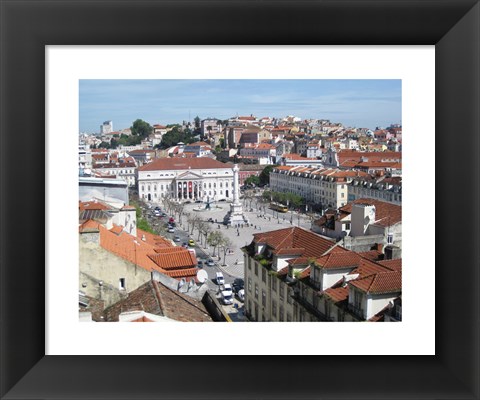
(219,278)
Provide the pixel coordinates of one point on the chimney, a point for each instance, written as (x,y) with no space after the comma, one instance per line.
(380,247)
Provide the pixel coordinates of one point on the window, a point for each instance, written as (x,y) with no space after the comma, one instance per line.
(289,299)
(347,225)
(249,263)
(339,315)
(264,275)
(250,285)
(390,238)
(281,291)
(264,298)
(280,313)
(274,308)
(121,283)
(256,269)
(256,291)
(274,283)
(289,317)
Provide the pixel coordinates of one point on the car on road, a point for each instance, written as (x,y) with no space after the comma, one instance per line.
(191,242)
(184,244)
(156,213)
(219,278)
(210,262)
(238,284)
(227,288)
(227,298)
(241,295)
(157,208)
(171,230)
(198,201)
(176,238)
(200,264)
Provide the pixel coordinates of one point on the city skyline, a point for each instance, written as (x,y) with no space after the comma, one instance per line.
(364,103)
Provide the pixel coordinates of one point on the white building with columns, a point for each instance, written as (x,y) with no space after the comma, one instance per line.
(185,179)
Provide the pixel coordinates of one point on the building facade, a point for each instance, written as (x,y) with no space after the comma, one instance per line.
(326,188)
(185,179)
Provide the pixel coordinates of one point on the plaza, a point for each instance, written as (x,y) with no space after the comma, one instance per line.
(261,219)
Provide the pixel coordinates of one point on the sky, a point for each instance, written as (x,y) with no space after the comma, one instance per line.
(363,103)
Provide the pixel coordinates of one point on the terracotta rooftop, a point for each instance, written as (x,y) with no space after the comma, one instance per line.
(294,238)
(392,264)
(155,298)
(168,259)
(93,205)
(386,282)
(187,163)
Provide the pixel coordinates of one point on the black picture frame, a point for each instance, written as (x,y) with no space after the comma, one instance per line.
(451,25)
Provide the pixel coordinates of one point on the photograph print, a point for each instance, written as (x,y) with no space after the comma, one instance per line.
(240,200)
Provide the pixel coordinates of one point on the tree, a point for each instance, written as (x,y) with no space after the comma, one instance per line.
(141,128)
(197,122)
(265,174)
(252,179)
(226,244)
(214,239)
(209,129)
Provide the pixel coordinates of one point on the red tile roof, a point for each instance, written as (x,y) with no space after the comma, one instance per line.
(293,239)
(93,205)
(168,259)
(395,265)
(386,282)
(187,163)
(336,260)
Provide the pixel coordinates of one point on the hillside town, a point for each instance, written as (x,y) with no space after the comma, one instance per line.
(245,219)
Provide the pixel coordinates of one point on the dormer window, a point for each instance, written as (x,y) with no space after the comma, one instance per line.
(390,238)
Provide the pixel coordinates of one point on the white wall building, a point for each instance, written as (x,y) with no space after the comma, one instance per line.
(185,179)
(106,127)
(325,187)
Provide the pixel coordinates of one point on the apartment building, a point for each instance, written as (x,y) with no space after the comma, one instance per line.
(326,188)
(295,275)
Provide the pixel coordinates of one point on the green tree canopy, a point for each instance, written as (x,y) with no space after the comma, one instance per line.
(252,179)
(141,128)
(197,122)
(265,174)
(176,135)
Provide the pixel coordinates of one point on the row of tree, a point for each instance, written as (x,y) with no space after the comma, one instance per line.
(207,235)
(288,199)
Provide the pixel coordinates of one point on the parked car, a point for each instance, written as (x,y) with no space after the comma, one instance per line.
(227,288)
(238,284)
(241,295)
(200,264)
(227,298)
(176,238)
(171,230)
(210,262)
(157,208)
(219,278)
(184,244)
(191,242)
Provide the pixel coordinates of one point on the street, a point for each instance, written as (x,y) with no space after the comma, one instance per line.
(260,219)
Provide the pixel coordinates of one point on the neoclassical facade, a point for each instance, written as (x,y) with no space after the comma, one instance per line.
(185,179)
